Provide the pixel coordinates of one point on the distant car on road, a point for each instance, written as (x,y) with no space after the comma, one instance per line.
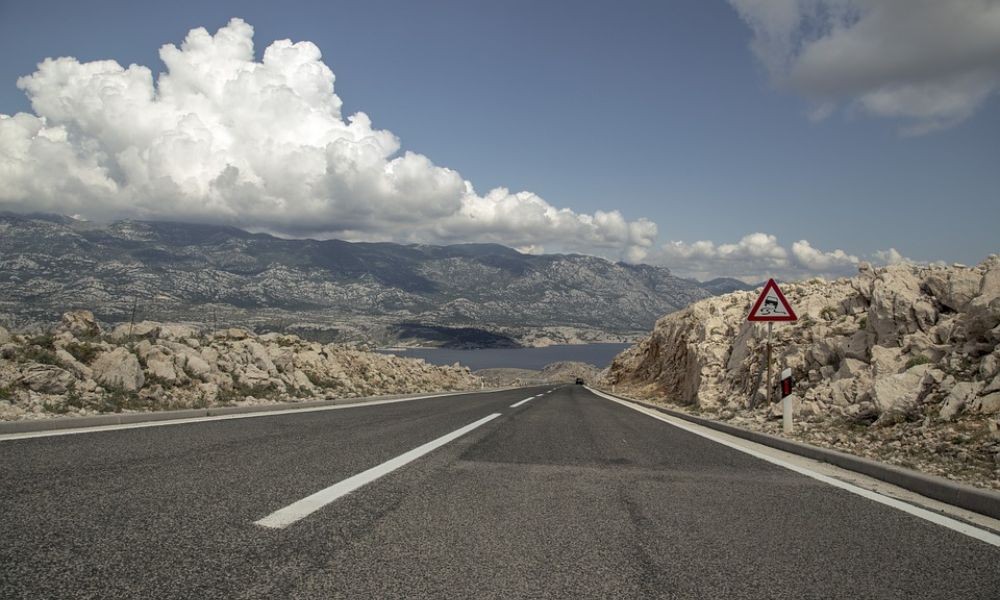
(579,381)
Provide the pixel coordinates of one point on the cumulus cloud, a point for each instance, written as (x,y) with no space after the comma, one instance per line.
(758,256)
(930,63)
(221,137)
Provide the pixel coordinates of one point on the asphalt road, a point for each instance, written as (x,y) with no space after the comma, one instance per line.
(565,496)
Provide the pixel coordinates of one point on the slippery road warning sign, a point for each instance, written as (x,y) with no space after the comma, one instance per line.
(772,306)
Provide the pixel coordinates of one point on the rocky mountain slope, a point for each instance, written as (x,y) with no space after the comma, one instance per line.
(898,363)
(468,295)
(77,369)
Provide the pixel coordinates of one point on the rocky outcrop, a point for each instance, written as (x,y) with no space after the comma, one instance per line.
(118,369)
(161,366)
(905,347)
(557,372)
(80,323)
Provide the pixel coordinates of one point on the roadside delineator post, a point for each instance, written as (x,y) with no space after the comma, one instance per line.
(771,307)
(786,400)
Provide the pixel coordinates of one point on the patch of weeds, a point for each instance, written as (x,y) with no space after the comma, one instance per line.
(322,382)
(160,381)
(919,359)
(37,354)
(240,391)
(73,397)
(6,393)
(84,352)
(45,341)
(863,323)
(116,400)
(57,409)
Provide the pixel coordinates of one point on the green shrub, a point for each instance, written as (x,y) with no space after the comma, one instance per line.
(38,354)
(863,323)
(83,352)
(45,340)
(919,359)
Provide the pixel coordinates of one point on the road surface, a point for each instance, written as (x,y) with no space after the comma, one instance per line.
(566,495)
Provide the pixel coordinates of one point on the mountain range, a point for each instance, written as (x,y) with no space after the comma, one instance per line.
(333,290)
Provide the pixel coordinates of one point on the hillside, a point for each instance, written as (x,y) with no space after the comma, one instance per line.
(899,363)
(76,368)
(461,295)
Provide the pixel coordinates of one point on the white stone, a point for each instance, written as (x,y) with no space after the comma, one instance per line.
(46,379)
(119,369)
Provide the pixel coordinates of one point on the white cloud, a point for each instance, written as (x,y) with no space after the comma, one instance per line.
(931,63)
(891,257)
(817,260)
(220,137)
(758,256)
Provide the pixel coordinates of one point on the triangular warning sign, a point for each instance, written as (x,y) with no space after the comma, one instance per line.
(772,306)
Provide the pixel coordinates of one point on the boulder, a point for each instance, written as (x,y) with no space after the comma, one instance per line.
(886,361)
(990,366)
(118,369)
(954,289)
(849,369)
(46,379)
(68,361)
(160,365)
(896,395)
(987,405)
(174,331)
(858,345)
(81,323)
(891,315)
(957,398)
(140,330)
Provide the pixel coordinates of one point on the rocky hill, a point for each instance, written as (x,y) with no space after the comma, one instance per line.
(898,363)
(462,295)
(558,372)
(76,368)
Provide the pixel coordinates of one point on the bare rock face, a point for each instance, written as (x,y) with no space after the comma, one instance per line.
(174,366)
(907,355)
(896,396)
(118,369)
(137,331)
(46,379)
(81,323)
(905,340)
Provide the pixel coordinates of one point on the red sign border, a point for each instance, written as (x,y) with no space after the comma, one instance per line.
(771,283)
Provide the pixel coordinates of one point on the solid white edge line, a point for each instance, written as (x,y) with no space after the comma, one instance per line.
(284,517)
(269,413)
(954,525)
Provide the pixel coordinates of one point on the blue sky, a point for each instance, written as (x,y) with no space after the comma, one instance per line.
(659,110)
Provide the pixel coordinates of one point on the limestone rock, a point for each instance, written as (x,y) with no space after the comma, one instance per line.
(118,369)
(957,399)
(46,379)
(954,288)
(4,335)
(896,395)
(988,404)
(81,323)
(895,292)
(140,330)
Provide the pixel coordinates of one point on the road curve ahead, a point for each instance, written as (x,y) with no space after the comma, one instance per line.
(487,495)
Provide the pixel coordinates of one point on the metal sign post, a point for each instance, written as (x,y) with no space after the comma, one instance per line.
(770,326)
(770,307)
